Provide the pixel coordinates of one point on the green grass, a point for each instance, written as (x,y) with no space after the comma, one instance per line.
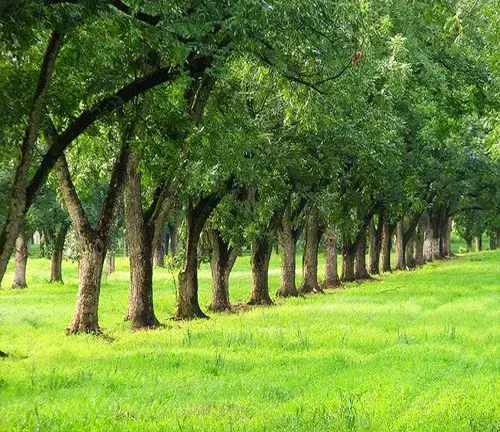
(416,351)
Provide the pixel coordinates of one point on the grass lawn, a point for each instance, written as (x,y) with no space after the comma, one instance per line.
(415,351)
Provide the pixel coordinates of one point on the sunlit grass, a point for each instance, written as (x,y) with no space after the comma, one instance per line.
(415,351)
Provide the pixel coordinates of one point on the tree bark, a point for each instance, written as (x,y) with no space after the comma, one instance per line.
(21,259)
(348,260)
(468,244)
(261,255)
(385,251)
(288,242)
(110,262)
(429,235)
(310,255)
(56,266)
(94,242)
(331,264)
(222,258)
(375,235)
(187,300)
(57,254)
(360,271)
(493,241)
(140,248)
(400,251)
(18,203)
(479,243)
(419,243)
(437,233)
(174,240)
(410,255)
(159,252)
(86,318)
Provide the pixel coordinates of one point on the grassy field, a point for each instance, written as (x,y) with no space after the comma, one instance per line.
(415,351)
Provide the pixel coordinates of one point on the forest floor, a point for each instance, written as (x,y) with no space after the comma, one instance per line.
(413,351)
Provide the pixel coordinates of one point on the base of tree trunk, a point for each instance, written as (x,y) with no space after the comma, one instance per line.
(85,328)
(287,292)
(308,288)
(217,308)
(136,326)
(260,302)
(189,316)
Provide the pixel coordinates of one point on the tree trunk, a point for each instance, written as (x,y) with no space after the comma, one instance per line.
(57,254)
(18,202)
(222,258)
(110,263)
(493,241)
(385,251)
(479,243)
(348,260)
(375,235)
(21,260)
(174,240)
(187,300)
(159,252)
(140,248)
(331,265)
(410,255)
(288,242)
(468,244)
(310,255)
(435,221)
(400,252)
(429,235)
(56,266)
(419,243)
(261,255)
(360,271)
(86,318)
(94,242)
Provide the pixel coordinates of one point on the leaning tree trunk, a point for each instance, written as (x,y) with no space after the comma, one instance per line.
(288,242)
(310,255)
(222,258)
(360,271)
(21,259)
(479,243)
(261,255)
(331,265)
(140,248)
(86,318)
(385,250)
(18,202)
(400,252)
